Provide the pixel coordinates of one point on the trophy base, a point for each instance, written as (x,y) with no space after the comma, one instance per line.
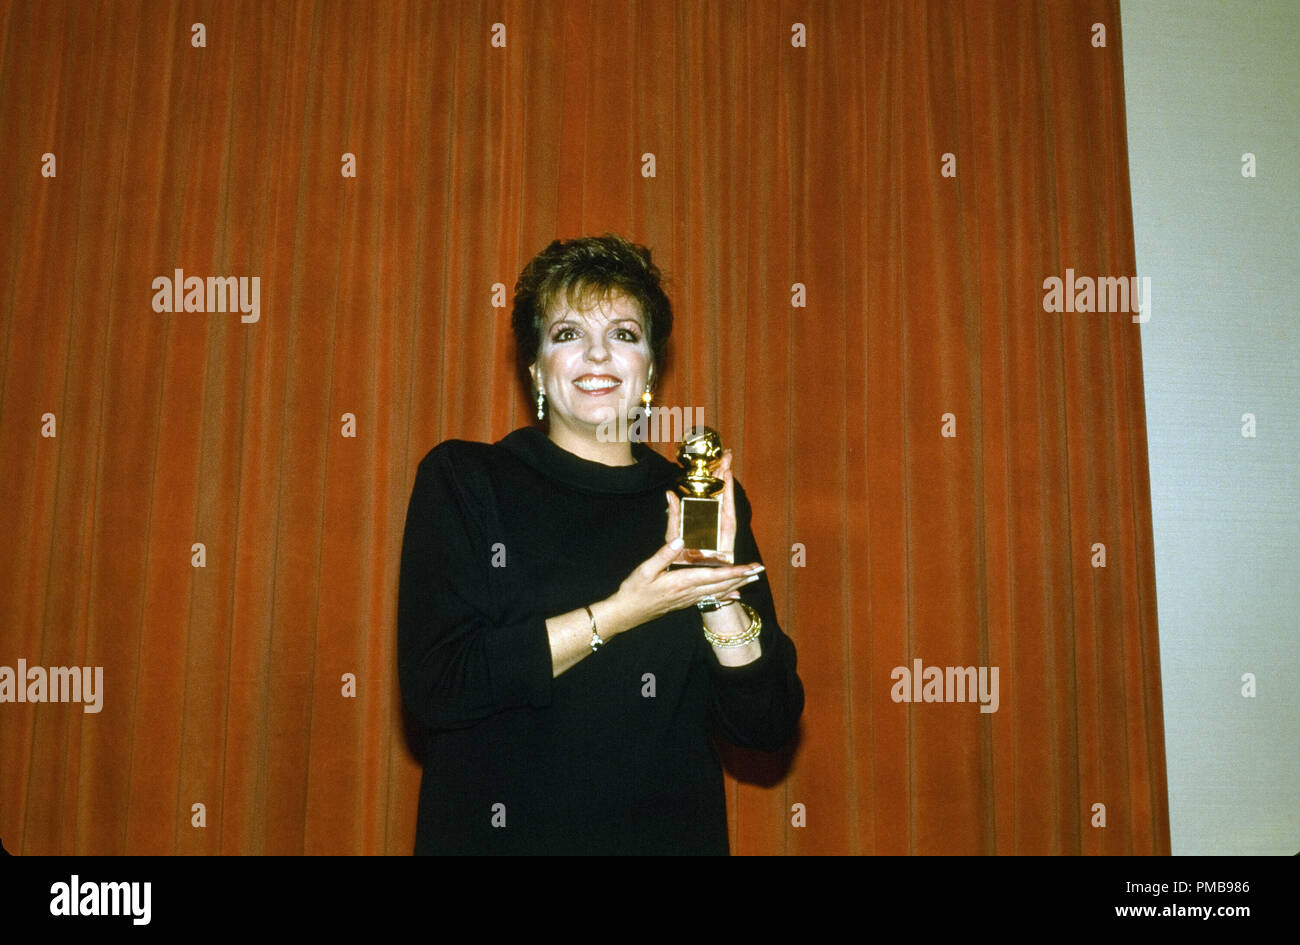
(701,558)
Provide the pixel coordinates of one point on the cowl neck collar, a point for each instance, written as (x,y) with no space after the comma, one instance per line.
(650,472)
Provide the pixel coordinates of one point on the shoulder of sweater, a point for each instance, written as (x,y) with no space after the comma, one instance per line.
(453,450)
(466,460)
(456,474)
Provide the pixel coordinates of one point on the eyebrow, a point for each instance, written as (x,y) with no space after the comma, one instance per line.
(612,322)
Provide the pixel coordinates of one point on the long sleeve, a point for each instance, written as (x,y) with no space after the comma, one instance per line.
(757,705)
(458,662)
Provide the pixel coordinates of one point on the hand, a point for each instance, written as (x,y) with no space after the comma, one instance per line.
(652,590)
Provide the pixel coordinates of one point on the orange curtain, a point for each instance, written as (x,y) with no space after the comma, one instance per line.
(857,205)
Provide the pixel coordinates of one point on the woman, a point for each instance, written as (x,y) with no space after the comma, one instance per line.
(570,681)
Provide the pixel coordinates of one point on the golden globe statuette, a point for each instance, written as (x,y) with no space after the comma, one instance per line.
(700,501)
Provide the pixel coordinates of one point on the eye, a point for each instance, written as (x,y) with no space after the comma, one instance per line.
(627,334)
(564,334)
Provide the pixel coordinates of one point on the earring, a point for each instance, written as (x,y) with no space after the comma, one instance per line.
(541,404)
(645,401)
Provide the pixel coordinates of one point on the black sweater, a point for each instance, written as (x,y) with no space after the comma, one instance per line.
(614,755)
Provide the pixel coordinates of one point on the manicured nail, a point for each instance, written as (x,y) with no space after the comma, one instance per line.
(757,569)
(751,580)
(676,543)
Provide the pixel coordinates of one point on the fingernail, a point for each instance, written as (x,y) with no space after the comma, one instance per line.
(676,543)
(751,580)
(761,567)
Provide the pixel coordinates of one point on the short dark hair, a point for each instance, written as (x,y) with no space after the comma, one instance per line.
(585,271)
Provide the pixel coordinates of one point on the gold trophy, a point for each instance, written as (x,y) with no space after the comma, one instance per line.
(700,501)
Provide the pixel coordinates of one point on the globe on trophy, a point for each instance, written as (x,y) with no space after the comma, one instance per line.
(700,501)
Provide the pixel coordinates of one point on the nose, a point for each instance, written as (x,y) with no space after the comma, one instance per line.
(596,350)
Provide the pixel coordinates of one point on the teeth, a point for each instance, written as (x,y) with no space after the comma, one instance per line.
(596,385)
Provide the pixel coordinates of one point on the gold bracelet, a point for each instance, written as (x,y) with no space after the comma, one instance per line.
(749,635)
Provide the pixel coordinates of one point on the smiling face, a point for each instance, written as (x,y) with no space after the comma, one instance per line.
(592,363)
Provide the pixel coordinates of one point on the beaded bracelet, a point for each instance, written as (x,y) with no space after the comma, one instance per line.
(749,635)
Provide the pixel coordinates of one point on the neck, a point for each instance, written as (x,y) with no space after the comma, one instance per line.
(587,446)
